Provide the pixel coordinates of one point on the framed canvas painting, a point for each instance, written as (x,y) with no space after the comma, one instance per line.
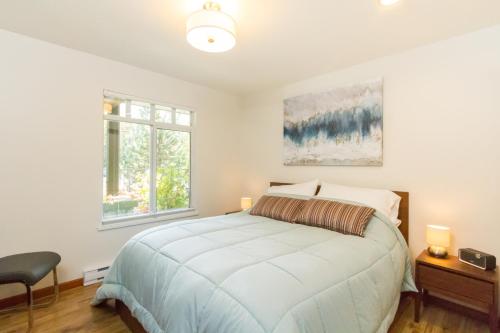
(342,126)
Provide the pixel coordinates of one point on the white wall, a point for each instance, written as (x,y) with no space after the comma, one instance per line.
(441,125)
(51,157)
(441,136)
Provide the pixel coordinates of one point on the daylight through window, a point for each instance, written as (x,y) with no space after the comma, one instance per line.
(147,158)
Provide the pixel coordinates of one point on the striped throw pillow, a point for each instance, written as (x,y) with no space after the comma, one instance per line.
(278,208)
(337,216)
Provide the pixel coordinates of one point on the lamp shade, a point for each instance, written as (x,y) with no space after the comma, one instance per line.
(246,203)
(438,235)
(211,30)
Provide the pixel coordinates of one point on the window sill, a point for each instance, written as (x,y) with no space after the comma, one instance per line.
(148,219)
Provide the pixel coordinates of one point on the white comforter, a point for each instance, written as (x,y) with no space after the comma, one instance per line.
(243,273)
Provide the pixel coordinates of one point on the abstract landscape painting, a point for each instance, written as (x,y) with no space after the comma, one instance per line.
(338,127)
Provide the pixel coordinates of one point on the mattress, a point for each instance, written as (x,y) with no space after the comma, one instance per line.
(244,273)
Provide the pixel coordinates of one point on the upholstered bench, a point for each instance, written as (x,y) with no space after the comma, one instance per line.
(28,269)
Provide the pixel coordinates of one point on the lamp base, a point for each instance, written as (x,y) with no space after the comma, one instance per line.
(437,251)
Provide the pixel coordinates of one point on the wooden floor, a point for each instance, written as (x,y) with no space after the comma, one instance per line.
(73,313)
(437,320)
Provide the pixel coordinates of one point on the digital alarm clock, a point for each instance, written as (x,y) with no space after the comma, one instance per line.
(477,259)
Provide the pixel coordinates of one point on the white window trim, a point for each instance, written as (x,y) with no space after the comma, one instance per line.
(157,217)
(130,221)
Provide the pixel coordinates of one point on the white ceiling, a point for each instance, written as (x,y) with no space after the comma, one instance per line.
(279,41)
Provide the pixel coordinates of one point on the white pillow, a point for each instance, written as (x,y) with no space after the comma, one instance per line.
(384,201)
(306,189)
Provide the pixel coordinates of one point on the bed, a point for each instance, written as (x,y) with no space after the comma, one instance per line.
(244,273)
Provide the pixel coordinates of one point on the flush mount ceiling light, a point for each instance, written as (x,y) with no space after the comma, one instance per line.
(388,2)
(211,30)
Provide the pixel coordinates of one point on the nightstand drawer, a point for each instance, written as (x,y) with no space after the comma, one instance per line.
(456,284)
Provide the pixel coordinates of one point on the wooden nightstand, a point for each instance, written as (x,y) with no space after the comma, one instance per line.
(233,212)
(458,281)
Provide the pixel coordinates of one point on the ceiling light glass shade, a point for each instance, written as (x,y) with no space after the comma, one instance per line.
(210,30)
(388,2)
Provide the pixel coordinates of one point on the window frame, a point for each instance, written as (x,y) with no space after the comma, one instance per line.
(153,216)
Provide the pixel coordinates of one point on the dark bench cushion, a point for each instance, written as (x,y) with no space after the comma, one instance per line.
(27,268)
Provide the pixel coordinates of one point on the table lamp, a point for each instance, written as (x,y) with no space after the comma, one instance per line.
(246,203)
(438,239)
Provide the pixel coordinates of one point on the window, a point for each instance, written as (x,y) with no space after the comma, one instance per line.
(147,159)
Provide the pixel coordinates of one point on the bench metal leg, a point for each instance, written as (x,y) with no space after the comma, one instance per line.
(29,296)
(56,285)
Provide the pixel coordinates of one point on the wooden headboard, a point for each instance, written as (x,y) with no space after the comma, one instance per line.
(404,207)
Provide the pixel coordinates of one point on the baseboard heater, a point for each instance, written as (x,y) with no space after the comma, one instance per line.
(94,275)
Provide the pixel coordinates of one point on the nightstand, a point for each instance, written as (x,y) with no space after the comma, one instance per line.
(473,288)
(234,211)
